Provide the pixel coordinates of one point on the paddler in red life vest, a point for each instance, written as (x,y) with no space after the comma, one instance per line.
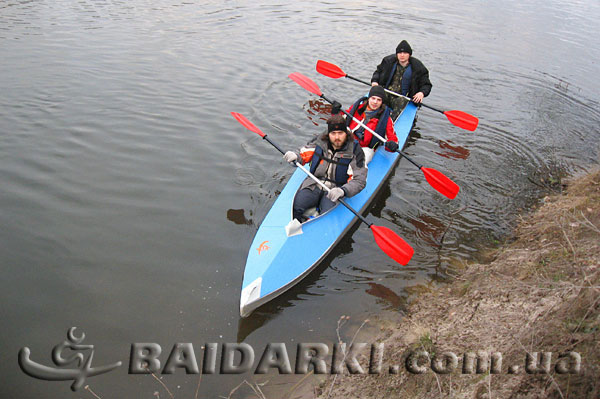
(335,159)
(372,112)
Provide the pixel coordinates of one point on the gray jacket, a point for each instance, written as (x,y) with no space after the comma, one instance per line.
(326,170)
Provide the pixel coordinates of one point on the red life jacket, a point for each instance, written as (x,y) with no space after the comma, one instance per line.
(382,116)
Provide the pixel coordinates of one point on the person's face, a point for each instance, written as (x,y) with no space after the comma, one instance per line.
(375,102)
(403,58)
(337,138)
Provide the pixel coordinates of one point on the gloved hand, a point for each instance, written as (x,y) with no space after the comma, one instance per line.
(335,194)
(290,157)
(391,146)
(335,108)
(360,133)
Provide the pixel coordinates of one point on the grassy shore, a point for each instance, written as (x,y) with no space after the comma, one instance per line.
(541,293)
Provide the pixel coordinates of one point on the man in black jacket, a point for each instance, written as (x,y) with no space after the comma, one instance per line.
(402,74)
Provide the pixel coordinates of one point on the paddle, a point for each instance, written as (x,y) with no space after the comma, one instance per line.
(435,178)
(389,242)
(457,118)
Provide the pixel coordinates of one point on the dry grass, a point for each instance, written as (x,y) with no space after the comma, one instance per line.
(540,294)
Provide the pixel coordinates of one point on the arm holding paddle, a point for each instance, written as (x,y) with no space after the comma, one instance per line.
(376,116)
(416,87)
(457,118)
(404,74)
(336,161)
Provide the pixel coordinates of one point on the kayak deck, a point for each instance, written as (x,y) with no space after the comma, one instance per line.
(276,261)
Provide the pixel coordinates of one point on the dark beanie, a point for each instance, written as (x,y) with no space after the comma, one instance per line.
(336,122)
(377,91)
(404,47)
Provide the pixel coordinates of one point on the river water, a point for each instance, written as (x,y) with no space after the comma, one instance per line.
(130,196)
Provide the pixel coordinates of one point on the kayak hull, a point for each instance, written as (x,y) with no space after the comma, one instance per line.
(276,261)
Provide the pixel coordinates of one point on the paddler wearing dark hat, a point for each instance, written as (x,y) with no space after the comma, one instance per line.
(404,74)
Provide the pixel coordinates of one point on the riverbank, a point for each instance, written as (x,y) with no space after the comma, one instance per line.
(541,293)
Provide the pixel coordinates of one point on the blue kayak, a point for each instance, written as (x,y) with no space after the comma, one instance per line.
(276,261)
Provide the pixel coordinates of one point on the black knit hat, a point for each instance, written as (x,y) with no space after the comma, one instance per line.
(336,122)
(404,47)
(377,91)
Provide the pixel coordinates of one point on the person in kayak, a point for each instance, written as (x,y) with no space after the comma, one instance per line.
(375,115)
(404,74)
(337,160)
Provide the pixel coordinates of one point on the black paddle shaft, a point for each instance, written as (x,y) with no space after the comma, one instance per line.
(274,144)
(367,83)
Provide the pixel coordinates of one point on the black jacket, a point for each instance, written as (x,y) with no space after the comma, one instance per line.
(420,75)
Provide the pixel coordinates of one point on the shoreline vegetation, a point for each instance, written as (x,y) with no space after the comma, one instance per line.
(540,293)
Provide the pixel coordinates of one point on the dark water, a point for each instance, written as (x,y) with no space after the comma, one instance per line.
(129,195)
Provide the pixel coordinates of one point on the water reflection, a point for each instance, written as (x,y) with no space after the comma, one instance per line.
(429,229)
(452,151)
(379,201)
(237,216)
(318,111)
(389,297)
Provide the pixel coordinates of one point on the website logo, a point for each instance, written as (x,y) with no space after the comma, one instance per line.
(80,360)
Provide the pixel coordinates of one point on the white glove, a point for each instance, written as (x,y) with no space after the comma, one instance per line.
(335,194)
(290,156)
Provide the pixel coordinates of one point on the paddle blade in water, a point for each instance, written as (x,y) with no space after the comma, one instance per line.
(441,182)
(330,70)
(462,119)
(306,83)
(247,124)
(394,246)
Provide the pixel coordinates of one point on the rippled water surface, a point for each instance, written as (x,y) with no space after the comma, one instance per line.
(130,197)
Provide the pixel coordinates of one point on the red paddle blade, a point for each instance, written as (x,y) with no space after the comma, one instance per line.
(394,246)
(441,182)
(462,119)
(330,70)
(306,83)
(247,124)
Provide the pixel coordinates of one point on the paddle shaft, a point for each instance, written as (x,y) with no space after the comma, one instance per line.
(319,182)
(374,133)
(436,179)
(394,93)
